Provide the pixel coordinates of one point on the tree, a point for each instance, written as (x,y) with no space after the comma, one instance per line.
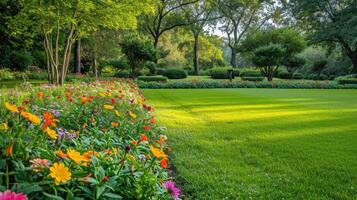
(166,17)
(62,22)
(197,16)
(318,66)
(330,21)
(138,51)
(293,63)
(238,16)
(267,58)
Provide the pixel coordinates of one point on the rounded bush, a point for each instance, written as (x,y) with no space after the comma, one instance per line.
(219,73)
(284,75)
(122,74)
(152,78)
(175,74)
(160,71)
(349,79)
(254,78)
(250,73)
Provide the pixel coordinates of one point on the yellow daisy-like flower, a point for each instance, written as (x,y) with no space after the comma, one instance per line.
(158,153)
(4,127)
(60,173)
(76,156)
(108,107)
(32,118)
(51,133)
(11,107)
(132,115)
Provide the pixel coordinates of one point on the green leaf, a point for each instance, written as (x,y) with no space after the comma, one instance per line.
(112,195)
(51,196)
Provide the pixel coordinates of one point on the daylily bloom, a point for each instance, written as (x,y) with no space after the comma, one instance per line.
(158,153)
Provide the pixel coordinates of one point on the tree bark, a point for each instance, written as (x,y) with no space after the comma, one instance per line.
(156,41)
(77,56)
(196,63)
(94,67)
(233,61)
(353,58)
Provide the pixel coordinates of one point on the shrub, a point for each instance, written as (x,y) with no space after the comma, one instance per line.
(108,71)
(175,73)
(97,142)
(222,72)
(160,71)
(349,79)
(152,68)
(39,59)
(119,64)
(250,73)
(122,74)
(37,75)
(298,76)
(152,78)
(20,60)
(6,74)
(254,78)
(284,75)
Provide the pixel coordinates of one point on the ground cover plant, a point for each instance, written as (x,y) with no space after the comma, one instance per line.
(82,141)
(261,143)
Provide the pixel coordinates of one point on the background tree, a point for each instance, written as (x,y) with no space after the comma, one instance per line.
(267,58)
(292,64)
(330,21)
(319,66)
(167,16)
(62,22)
(138,51)
(238,16)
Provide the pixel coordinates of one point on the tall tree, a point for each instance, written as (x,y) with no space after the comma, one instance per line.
(62,22)
(238,16)
(330,21)
(168,15)
(197,16)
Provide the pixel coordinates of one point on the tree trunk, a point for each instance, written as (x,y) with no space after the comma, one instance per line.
(77,56)
(196,63)
(156,41)
(354,62)
(94,67)
(233,57)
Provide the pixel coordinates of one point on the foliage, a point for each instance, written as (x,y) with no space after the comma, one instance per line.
(250,73)
(349,79)
(222,72)
(6,74)
(318,66)
(119,64)
(88,141)
(122,74)
(174,73)
(39,59)
(20,60)
(138,51)
(252,78)
(292,64)
(158,78)
(152,68)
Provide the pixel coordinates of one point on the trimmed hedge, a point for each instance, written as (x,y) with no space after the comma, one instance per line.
(250,73)
(284,75)
(152,78)
(349,79)
(222,73)
(248,78)
(175,73)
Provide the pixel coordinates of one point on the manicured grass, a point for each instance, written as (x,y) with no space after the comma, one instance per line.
(262,143)
(15,83)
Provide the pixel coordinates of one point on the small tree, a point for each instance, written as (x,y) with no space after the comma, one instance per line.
(138,51)
(293,63)
(318,66)
(267,59)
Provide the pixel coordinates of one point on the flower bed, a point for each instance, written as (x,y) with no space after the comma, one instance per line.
(86,141)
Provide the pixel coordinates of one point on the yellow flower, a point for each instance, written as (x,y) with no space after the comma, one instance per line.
(101,94)
(11,107)
(32,118)
(131,157)
(51,133)
(108,107)
(132,115)
(4,127)
(158,153)
(117,113)
(76,156)
(60,173)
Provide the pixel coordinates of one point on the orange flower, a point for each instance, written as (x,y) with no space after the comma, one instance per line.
(40,95)
(84,100)
(61,154)
(147,127)
(87,155)
(143,138)
(32,118)
(115,124)
(49,120)
(107,151)
(21,108)
(163,163)
(153,121)
(26,101)
(158,153)
(11,107)
(8,150)
(76,156)
(134,142)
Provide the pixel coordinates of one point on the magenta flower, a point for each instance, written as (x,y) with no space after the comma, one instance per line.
(8,195)
(172,189)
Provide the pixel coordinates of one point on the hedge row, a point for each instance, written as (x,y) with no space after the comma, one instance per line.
(152,78)
(244,84)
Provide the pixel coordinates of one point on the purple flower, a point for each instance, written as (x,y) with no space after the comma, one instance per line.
(64,134)
(172,189)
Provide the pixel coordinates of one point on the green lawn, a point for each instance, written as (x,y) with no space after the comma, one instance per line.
(262,143)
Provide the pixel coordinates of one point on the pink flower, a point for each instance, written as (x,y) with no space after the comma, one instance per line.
(172,189)
(8,195)
(39,164)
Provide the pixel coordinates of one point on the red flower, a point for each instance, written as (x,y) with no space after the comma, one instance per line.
(163,163)
(153,121)
(40,95)
(143,138)
(8,150)
(26,101)
(147,127)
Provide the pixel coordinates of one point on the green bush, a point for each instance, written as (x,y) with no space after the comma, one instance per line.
(39,59)
(222,72)
(37,75)
(349,79)
(175,73)
(284,75)
(152,78)
(119,64)
(250,73)
(20,60)
(6,74)
(252,78)
(151,66)
(122,74)
(298,76)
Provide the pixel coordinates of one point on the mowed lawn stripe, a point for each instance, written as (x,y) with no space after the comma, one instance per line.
(262,143)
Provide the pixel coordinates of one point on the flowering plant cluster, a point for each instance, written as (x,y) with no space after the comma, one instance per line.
(82,141)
